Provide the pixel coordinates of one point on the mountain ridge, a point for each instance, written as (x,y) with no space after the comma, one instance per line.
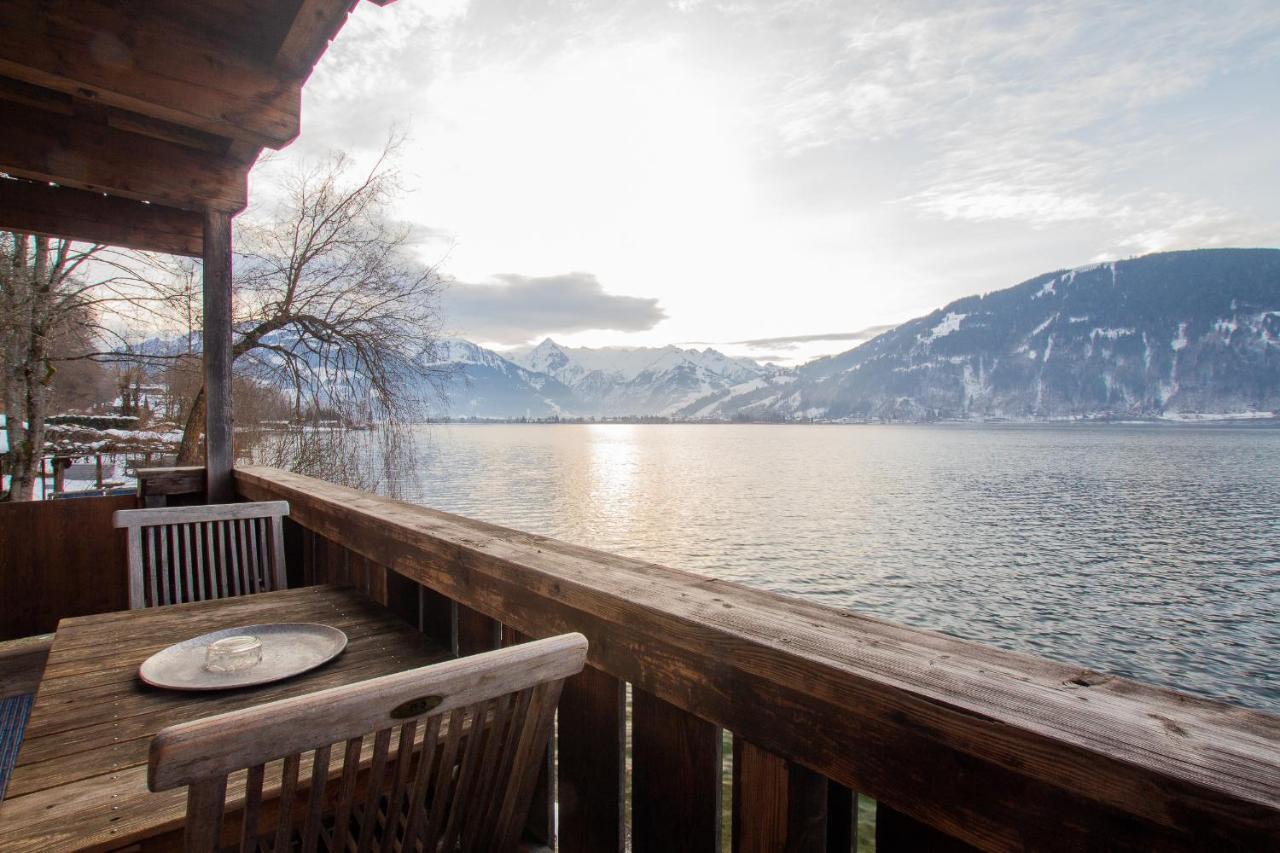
(1188,335)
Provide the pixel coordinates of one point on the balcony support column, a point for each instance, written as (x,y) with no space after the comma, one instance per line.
(218,431)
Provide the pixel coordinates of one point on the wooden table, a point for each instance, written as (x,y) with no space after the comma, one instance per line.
(81,779)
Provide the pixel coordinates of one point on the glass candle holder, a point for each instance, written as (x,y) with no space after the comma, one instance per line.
(232,654)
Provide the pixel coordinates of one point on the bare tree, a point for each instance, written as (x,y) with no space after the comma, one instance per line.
(45,310)
(330,305)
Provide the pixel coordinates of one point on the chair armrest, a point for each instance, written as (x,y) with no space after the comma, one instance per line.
(22,664)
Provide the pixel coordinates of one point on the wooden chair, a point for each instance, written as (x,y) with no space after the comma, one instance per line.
(469,733)
(196,553)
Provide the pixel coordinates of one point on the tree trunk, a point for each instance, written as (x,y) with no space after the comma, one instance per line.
(192,432)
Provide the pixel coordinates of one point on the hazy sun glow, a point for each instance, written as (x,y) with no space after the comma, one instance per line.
(771,170)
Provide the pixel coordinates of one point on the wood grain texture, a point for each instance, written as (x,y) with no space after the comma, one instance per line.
(182,480)
(675,778)
(59,559)
(590,767)
(477,632)
(22,663)
(81,775)
(896,833)
(778,807)
(38,208)
(508,694)
(182,554)
(1004,751)
(146,60)
(43,146)
(219,426)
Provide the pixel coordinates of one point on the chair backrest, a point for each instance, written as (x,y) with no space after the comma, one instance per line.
(468,738)
(196,553)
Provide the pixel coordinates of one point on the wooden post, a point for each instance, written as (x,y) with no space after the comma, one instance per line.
(98,470)
(777,805)
(217,355)
(675,778)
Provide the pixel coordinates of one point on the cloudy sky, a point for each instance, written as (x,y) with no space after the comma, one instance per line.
(781,178)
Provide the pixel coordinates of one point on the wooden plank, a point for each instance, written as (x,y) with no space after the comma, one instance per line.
(777,806)
(38,208)
(142,58)
(477,632)
(22,663)
(218,432)
(675,778)
(183,480)
(202,747)
(993,747)
(590,766)
(539,825)
(73,152)
(316,24)
(91,790)
(896,832)
(58,559)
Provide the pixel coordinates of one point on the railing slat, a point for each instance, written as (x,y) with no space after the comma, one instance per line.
(777,806)
(476,632)
(842,818)
(435,614)
(675,782)
(592,737)
(1002,750)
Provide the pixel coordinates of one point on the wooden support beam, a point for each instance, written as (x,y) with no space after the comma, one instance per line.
(898,832)
(138,57)
(675,778)
(38,208)
(73,152)
(316,24)
(591,771)
(218,431)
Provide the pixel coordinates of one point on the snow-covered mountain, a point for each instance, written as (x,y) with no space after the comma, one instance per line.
(1178,335)
(484,384)
(619,381)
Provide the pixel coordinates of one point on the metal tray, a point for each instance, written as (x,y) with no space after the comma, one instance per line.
(288,649)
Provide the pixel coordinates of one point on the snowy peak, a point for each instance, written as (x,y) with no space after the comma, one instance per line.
(1189,334)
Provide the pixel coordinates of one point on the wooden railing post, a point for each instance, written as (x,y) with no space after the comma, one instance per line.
(675,778)
(999,750)
(777,806)
(217,355)
(591,778)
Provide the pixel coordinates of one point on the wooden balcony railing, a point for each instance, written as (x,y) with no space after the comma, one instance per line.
(959,744)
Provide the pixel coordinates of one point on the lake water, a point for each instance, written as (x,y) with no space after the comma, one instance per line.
(1147,551)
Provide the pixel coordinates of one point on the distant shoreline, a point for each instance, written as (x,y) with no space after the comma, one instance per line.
(1256,421)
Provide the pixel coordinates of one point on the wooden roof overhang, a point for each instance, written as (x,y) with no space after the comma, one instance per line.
(122,122)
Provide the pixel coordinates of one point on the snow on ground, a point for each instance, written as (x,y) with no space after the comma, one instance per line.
(1194,417)
(948,324)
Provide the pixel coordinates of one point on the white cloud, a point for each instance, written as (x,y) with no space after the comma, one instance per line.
(758,166)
